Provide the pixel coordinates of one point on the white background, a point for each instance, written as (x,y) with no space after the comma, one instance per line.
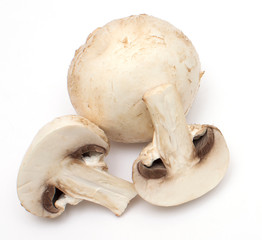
(37,44)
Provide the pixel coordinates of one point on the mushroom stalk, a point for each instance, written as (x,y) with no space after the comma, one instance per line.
(172,137)
(81,181)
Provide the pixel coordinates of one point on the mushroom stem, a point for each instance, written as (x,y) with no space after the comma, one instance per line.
(172,137)
(81,181)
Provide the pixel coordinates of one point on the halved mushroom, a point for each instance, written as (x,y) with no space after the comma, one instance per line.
(182,162)
(65,164)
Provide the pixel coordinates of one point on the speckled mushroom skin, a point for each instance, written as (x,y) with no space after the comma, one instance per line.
(121,61)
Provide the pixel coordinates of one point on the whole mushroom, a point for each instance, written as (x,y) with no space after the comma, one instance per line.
(183,162)
(121,61)
(65,164)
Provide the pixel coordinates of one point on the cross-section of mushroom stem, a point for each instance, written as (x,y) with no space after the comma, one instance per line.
(182,162)
(81,181)
(65,164)
(171,135)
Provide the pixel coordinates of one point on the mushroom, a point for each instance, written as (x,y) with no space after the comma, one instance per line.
(65,164)
(182,162)
(121,61)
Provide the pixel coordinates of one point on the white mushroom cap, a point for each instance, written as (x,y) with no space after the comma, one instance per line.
(183,162)
(121,61)
(65,164)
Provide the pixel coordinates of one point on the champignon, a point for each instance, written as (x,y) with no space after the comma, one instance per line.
(65,164)
(121,61)
(182,162)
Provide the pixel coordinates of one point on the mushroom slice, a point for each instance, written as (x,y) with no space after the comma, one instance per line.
(65,164)
(183,162)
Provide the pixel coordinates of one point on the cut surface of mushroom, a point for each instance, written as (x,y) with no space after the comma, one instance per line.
(182,162)
(64,165)
(119,62)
